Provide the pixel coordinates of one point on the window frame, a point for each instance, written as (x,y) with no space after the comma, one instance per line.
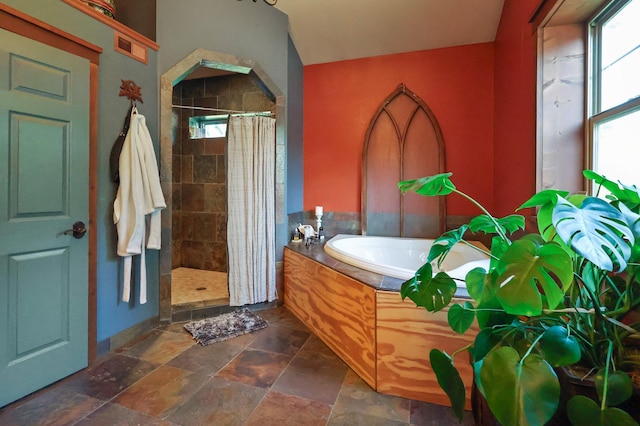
(201,121)
(566,118)
(594,113)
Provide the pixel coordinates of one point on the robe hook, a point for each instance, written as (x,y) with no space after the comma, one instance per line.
(131,91)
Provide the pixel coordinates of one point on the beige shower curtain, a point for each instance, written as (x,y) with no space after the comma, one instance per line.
(251,215)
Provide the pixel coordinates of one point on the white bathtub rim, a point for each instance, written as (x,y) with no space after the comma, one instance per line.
(392,271)
(363,263)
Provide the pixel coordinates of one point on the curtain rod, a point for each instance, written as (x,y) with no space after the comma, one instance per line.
(228,111)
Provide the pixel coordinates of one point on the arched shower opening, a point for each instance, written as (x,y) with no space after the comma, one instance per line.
(206,85)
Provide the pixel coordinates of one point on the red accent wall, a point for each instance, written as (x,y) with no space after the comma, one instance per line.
(341,97)
(515,107)
(483,96)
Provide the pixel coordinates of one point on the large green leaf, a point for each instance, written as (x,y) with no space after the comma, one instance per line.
(526,267)
(542,198)
(633,220)
(591,276)
(444,243)
(490,313)
(479,286)
(596,230)
(601,180)
(519,392)
(477,368)
(484,223)
(441,290)
(619,388)
(584,411)
(461,317)
(449,380)
(485,340)
(432,293)
(430,186)
(546,228)
(498,247)
(558,347)
(545,224)
(628,194)
(410,287)
(631,196)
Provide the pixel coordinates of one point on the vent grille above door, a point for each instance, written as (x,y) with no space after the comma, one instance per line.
(130,47)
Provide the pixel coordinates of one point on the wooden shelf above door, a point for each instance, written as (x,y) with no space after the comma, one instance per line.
(137,38)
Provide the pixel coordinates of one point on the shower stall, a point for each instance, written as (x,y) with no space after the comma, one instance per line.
(201,104)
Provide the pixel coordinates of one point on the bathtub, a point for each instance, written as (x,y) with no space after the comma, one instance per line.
(402,257)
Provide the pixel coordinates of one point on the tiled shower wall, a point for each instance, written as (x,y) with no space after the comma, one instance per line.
(199,212)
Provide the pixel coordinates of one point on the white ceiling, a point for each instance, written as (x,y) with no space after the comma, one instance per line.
(336,30)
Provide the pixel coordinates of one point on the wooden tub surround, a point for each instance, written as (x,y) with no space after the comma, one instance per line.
(361,317)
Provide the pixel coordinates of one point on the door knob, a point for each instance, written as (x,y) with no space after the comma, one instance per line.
(78,230)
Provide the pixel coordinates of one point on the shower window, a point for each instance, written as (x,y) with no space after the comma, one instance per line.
(212,126)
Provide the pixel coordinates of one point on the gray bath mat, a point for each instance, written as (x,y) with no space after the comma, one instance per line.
(225,326)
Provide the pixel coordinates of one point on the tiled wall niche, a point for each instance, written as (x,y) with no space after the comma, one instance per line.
(199,175)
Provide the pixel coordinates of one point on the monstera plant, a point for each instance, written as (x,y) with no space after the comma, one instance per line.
(565,298)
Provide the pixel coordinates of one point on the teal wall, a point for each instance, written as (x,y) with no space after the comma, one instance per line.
(242,28)
(248,30)
(295,179)
(113,315)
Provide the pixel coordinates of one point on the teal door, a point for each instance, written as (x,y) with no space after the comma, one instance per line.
(44,190)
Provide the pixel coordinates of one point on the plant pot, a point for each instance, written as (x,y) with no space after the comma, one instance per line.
(570,385)
(107,7)
(482,415)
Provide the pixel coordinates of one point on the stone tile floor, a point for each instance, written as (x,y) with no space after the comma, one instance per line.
(281,375)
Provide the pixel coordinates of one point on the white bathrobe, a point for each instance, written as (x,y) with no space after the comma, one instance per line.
(139,195)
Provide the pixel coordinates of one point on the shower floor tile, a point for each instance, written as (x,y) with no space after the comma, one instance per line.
(194,288)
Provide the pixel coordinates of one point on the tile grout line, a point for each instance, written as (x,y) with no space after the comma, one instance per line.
(112,399)
(280,375)
(86,416)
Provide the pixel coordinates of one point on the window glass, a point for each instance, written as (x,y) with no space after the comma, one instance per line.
(212,126)
(617,148)
(615,119)
(620,63)
(215,130)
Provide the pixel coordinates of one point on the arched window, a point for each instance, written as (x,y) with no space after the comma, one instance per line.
(403,141)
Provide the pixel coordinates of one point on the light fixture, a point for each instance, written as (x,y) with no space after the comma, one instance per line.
(269,2)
